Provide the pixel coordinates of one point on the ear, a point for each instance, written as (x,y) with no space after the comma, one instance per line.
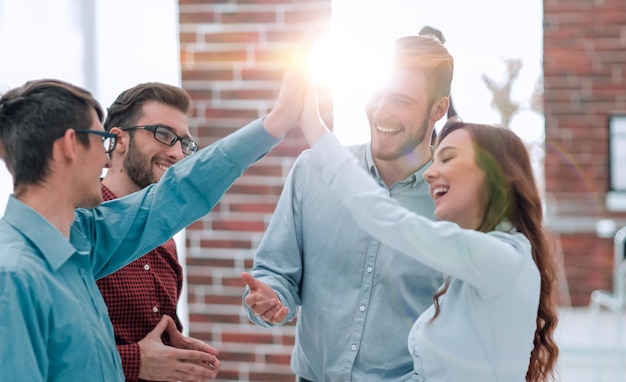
(64,148)
(123,140)
(439,109)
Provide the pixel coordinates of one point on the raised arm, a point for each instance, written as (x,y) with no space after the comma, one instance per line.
(489,261)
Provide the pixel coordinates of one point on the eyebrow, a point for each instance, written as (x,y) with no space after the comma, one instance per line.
(445,149)
(402,97)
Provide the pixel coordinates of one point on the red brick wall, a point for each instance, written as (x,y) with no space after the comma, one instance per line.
(585,80)
(233,55)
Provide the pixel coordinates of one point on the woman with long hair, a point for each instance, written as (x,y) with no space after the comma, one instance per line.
(494,317)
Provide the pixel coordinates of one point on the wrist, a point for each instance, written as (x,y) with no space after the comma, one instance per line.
(275,125)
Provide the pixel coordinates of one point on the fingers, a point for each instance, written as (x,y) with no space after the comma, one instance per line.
(191,370)
(301,54)
(195,344)
(311,122)
(250,281)
(263,301)
(276,316)
(160,327)
(286,111)
(195,356)
(271,310)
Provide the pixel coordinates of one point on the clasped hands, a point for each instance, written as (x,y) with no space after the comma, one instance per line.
(186,359)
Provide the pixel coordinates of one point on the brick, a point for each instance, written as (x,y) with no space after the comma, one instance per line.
(206,75)
(245,17)
(225,243)
(199,279)
(220,56)
(267,337)
(196,17)
(239,225)
(309,17)
(188,37)
(278,358)
(248,94)
(232,37)
(214,318)
(279,57)
(210,262)
(216,113)
(263,74)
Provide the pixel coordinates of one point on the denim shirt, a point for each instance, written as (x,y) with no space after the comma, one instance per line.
(485,329)
(357,297)
(54,324)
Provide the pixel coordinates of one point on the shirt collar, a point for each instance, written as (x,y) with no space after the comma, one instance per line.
(413,179)
(53,246)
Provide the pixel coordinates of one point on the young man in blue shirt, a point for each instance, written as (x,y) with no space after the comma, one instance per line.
(57,238)
(357,297)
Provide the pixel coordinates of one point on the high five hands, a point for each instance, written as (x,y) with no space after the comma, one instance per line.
(297,99)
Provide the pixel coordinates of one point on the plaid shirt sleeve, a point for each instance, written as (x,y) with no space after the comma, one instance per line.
(130,361)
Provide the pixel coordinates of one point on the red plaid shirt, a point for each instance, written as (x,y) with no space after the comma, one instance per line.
(138,295)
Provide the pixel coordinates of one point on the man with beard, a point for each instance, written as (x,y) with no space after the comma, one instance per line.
(150,121)
(358,297)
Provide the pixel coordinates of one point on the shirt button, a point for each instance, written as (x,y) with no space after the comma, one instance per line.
(155,309)
(82,270)
(362,308)
(353,347)
(369,269)
(146,267)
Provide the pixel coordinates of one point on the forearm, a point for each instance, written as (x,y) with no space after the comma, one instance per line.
(128,227)
(486,260)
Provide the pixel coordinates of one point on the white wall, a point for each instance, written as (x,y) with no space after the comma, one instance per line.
(105,46)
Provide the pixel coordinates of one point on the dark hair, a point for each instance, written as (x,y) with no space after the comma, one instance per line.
(428,30)
(512,196)
(36,114)
(126,109)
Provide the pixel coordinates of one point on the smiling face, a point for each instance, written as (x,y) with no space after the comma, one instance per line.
(457,184)
(147,159)
(399,116)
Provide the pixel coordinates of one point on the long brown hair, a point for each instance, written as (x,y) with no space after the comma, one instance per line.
(512,195)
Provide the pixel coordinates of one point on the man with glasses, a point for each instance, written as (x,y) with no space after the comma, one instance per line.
(56,238)
(150,121)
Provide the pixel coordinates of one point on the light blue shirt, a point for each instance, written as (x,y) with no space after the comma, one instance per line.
(485,329)
(54,325)
(358,297)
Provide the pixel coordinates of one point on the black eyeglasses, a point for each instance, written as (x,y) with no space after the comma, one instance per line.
(166,136)
(109,140)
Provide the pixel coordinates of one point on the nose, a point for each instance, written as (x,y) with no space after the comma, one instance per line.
(373,105)
(431,173)
(176,151)
(379,111)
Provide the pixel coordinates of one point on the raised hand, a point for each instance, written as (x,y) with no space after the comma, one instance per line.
(287,109)
(188,359)
(263,301)
(311,122)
